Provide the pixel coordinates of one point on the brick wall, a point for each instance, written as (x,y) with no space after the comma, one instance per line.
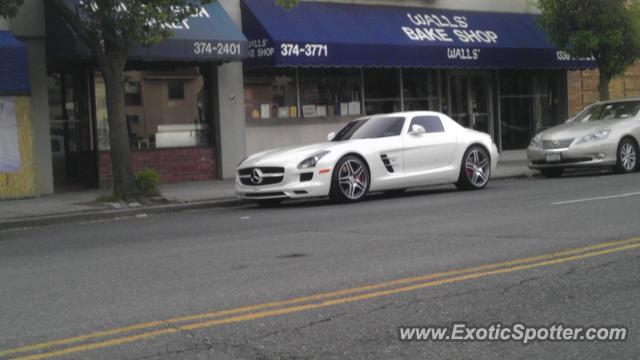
(583,87)
(173,165)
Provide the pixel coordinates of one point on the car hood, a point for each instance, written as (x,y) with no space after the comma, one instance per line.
(572,131)
(286,155)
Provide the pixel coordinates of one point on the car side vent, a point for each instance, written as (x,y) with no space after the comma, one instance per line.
(387,163)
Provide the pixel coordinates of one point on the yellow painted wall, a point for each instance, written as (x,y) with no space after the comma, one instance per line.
(24,182)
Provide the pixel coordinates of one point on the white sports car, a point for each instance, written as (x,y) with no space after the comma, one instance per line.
(388,152)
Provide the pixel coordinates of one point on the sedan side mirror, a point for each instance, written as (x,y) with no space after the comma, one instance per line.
(331,136)
(417,130)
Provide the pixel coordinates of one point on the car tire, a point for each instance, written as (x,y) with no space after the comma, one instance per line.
(475,169)
(350,180)
(552,173)
(627,156)
(269,202)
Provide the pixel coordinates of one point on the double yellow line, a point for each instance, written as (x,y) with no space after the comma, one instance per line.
(138,332)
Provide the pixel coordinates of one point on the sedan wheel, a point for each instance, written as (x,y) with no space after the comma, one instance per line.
(627,156)
(476,169)
(350,181)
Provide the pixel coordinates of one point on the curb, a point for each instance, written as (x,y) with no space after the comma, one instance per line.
(92,215)
(74,217)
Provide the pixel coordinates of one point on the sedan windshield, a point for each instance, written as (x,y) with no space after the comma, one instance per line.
(371,128)
(608,111)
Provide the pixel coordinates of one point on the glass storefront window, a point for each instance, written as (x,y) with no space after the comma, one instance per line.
(420,87)
(164,109)
(529,103)
(382,91)
(270,94)
(330,92)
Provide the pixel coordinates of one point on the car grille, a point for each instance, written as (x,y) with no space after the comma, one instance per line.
(265,195)
(563,161)
(270,176)
(556,144)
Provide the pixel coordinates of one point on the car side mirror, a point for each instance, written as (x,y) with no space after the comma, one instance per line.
(331,136)
(568,120)
(417,130)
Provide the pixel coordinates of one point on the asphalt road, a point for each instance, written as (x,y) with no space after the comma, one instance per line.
(133,277)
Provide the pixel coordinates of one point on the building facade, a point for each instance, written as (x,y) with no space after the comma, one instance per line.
(487,64)
(583,87)
(296,76)
(24,125)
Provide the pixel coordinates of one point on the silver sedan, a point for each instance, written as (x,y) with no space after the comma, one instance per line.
(605,134)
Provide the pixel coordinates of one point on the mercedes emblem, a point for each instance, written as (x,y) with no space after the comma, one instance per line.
(257,176)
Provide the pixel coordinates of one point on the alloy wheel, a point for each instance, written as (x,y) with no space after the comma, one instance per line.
(353,179)
(628,156)
(478,167)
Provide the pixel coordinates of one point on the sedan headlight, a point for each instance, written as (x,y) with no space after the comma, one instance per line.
(600,135)
(312,161)
(535,142)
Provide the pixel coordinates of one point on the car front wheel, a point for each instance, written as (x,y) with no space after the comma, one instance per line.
(350,180)
(627,156)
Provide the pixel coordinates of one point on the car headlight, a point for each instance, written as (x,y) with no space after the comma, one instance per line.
(600,135)
(312,161)
(243,160)
(535,142)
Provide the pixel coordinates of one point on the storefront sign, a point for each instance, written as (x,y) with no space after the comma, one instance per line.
(207,34)
(345,34)
(443,28)
(9,144)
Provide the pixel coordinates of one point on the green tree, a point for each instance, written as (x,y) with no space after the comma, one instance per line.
(608,30)
(9,8)
(112,29)
(287,4)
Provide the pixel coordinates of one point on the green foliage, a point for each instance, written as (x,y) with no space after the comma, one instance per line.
(9,8)
(608,30)
(125,24)
(147,182)
(287,4)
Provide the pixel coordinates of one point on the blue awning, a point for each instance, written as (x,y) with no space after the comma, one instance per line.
(210,35)
(14,68)
(339,34)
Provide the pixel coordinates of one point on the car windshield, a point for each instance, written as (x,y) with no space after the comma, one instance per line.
(608,111)
(371,128)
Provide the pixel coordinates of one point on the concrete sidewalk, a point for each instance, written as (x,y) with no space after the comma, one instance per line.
(82,205)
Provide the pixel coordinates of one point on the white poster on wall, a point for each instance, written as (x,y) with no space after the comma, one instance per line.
(9,144)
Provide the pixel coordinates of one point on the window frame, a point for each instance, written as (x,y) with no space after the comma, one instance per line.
(411,123)
(169,90)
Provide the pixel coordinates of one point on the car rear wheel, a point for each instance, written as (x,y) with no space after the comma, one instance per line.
(627,156)
(551,173)
(350,180)
(476,169)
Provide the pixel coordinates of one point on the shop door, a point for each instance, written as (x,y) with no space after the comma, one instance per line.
(471,102)
(72,142)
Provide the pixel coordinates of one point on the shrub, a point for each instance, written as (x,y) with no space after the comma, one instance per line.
(147,182)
